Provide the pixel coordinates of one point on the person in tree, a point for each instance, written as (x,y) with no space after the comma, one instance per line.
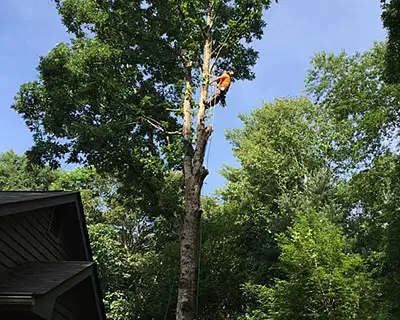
(223,84)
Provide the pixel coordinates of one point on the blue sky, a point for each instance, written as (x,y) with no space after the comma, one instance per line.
(295,31)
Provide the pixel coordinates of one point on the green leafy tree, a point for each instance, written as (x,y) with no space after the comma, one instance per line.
(319,277)
(136,284)
(110,256)
(366,199)
(236,246)
(391,19)
(392,249)
(375,226)
(16,173)
(105,99)
(322,280)
(279,147)
(363,108)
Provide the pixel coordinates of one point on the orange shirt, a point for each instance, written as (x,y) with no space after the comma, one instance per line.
(225,80)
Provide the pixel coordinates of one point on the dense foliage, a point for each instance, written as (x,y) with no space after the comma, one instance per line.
(390,19)
(307,227)
(121,96)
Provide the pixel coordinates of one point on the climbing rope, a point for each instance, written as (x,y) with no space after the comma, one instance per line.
(198,268)
(169,300)
(209,141)
(211,112)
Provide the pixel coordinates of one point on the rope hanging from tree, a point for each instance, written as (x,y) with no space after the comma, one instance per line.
(210,112)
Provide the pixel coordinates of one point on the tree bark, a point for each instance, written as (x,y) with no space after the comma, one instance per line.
(194,173)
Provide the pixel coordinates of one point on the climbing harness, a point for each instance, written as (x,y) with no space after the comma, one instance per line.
(219,97)
(213,96)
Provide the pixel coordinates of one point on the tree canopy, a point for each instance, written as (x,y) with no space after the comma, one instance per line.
(390,19)
(113,98)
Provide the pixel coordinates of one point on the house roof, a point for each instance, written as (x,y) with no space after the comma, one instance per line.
(35,286)
(18,201)
(22,196)
(38,278)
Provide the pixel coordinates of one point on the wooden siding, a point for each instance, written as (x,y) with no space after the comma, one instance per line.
(25,237)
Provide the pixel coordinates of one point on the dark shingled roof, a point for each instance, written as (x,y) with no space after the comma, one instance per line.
(39,278)
(7,197)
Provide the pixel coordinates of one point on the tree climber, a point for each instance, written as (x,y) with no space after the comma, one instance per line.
(224,82)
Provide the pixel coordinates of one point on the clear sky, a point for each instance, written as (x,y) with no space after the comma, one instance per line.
(295,31)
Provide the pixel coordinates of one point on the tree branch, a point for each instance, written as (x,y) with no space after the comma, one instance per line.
(173,110)
(203,31)
(216,12)
(159,126)
(183,16)
(219,48)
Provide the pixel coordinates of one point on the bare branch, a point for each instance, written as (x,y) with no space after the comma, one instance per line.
(220,47)
(159,126)
(152,124)
(173,132)
(173,110)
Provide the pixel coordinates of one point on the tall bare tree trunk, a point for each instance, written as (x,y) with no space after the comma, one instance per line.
(195,173)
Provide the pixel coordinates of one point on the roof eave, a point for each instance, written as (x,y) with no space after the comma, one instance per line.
(35,204)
